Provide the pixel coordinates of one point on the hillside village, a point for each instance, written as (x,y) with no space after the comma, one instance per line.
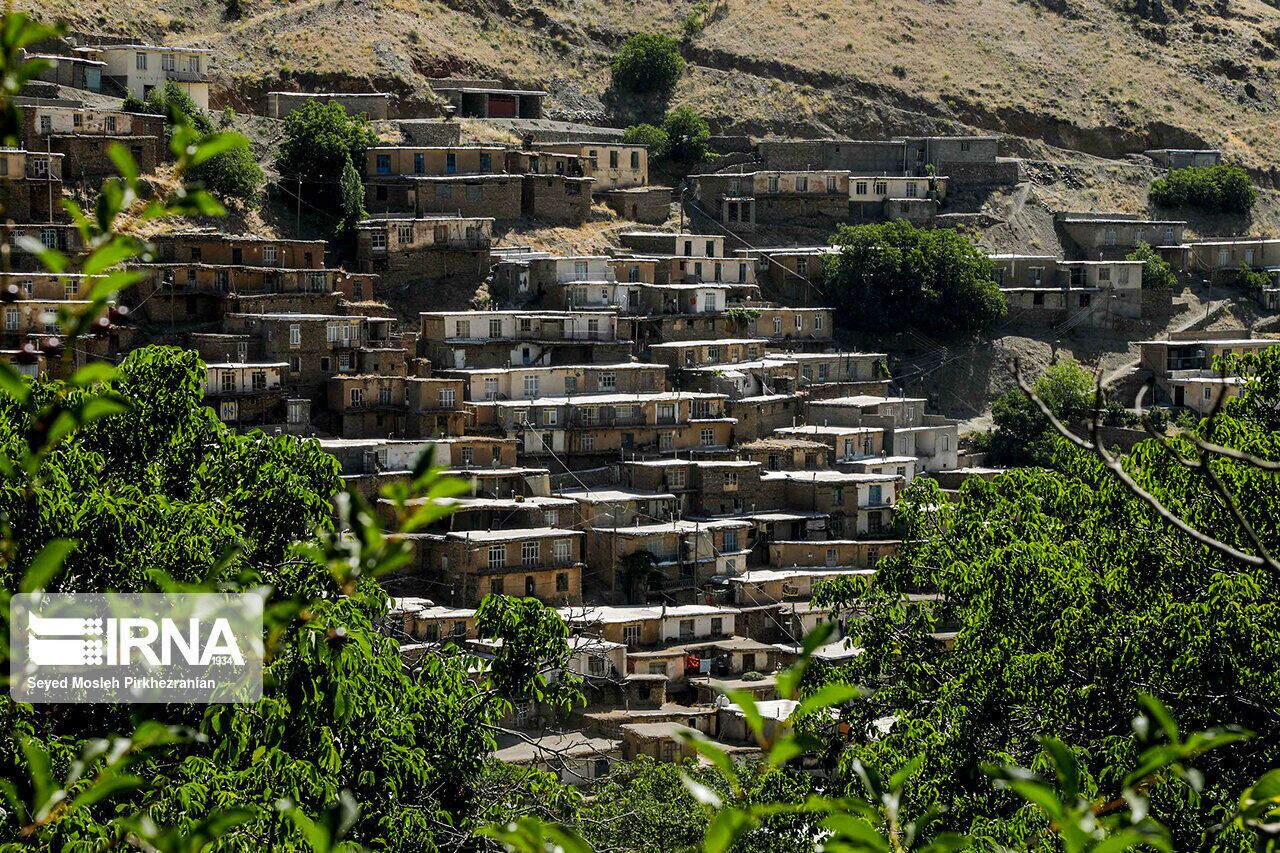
(668,433)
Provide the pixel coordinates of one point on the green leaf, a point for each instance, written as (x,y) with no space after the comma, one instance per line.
(125,164)
(1066,764)
(828,696)
(747,704)
(725,829)
(46,565)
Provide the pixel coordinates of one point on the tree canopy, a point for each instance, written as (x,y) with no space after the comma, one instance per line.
(1157,273)
(1214,189)
(648,62)
(894,277)
(319,140)
(1022,434)
(1069,598)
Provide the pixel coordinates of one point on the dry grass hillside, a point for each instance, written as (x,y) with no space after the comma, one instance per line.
(1087,75)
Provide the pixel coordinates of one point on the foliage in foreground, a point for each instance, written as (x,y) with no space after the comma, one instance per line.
(895,277)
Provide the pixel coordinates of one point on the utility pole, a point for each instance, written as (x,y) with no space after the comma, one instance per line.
(297,224)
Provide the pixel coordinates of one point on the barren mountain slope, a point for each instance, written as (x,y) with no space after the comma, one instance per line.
(1081,74)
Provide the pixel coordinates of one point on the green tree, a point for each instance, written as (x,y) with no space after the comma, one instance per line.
(1069,597)
(892,277)
(233,173)
(1022,434)
(648,62)
(1214,189)
(319,141)
(171,101)
(654,138)
(1157,273)
(352,191)
(687,135)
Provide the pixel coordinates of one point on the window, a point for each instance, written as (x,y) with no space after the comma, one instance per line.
(77,120)
(686,629)
(860,188)
(496,586)
(777,325)
(635,159)
(802,184)
(486,161)
(69,290)
(837,495)
(529,553)
(613,159)
(228,381)
(378,241)
(451,163)
(946,442)
(707,437)
(227,410)
(382,164)
(580,270)
(531,386)
(562,550)
(799,322)
(495,328)
(802,266)
(773,183)
(295,335)
(831,183)
(344,361)
(259,380)
(194,64)
(140,61)
(404,233)
(881,188)
(912,190)
(562,582)
(357,396)
(295,364)
(631,636)
(46,124)
(730,481)
(588,443)
(447,398)
(168,62)
(676,478)
(11,319)
(570,384)
(419,163)
(463,329)
(717,626)
(467,456)
(730,540)
(549,418)
(497,556)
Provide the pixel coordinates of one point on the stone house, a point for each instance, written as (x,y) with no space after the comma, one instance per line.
(245,393)
(1183,365)
(650,205)
(858,504)
(84,137)
(315,346)
(510,383)
(201,247)
(478,339)
(909,430)
(704,487)
(614,166)
(471,98)
(30,185)
(1223,259)
(62,238)
(745,199)
(1105,236)
(608,425)
(679,555)
(845,442)
(652,243)
(859,554)
(475,196)
(136,69)
(374,106)
(1185,158)
(789,454)
(543,563)
(438,250)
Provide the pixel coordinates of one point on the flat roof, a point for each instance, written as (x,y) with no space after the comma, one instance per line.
(608,495)
(605,399)
(827,476)
(766,575)
(518,533)
(859,400)
(678,526)
(163,47)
